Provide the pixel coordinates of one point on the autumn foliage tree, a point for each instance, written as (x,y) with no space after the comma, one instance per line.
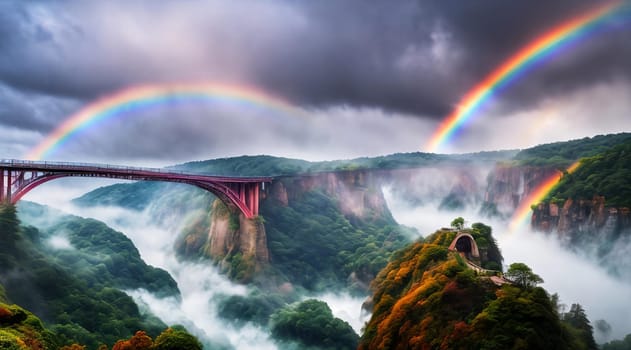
(73,347)
(170,339)
(140,341)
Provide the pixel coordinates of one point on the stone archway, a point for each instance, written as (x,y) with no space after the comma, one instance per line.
(465,243)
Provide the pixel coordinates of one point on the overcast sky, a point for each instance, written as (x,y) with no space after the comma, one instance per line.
(371,77)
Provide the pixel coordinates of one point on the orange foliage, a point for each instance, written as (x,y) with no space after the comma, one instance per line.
(458,336)
(122,345)
(140,341)
(29,340)
(5,313)
(402,273)
(73,347)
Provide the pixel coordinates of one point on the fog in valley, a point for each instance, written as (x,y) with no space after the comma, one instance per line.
(201,284)
(575,277)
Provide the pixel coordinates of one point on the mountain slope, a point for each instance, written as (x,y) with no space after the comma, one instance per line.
(73,289)
(428,298)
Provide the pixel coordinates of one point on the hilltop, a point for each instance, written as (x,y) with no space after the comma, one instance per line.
(428,297)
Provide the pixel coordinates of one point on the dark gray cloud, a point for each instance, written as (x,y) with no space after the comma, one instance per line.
(413,56)
(405,59)
(449,46)
(32,111)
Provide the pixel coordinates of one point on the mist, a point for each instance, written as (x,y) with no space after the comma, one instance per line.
(346,307)
(60,241)
(201,285)
(574,277)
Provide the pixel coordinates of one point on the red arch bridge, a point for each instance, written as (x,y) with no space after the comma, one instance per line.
(18,177)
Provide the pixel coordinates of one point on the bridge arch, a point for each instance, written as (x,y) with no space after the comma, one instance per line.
(17,178)
(465,243)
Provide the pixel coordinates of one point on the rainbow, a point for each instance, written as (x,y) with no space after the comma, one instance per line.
(522,213)
(518,64)
(140,97)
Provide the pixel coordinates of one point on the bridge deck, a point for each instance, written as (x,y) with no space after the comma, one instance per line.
(122,170)
(18,177)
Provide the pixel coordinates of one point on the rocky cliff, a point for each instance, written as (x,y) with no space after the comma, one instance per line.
(573,218)
(238,244)
(358,193)
(598,231)
(508,184)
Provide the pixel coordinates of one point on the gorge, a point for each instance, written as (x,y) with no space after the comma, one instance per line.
(324,234)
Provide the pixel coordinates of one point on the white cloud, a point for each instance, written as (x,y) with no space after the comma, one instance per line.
(599,109)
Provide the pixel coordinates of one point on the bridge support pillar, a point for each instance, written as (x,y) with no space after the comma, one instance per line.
(242,192)
(255,206)
(5,185)
(1,185)
(7,194)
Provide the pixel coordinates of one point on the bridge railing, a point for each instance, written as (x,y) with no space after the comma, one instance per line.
(43,165)
(52,165)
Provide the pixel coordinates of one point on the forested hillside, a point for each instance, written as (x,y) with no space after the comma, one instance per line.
(315,246)
(428,298)
(562,154)
(71,276)
(605,174)
(334,231)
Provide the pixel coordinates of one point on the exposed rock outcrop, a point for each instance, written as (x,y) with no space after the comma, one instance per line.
(223,235)
(357,192)
(581,217)
(509,184)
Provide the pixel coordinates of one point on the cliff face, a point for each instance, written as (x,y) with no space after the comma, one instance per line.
(508,185)
(238,244)
(602,233)
(358,196)
(358,193)
(576,217)
(453,186)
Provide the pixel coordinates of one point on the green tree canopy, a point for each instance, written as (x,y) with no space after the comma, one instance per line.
(173,339)
(312,323)
(577,318)
(457,223)
(624,344)
(522,275)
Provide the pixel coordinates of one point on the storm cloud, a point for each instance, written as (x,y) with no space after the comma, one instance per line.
(405,59)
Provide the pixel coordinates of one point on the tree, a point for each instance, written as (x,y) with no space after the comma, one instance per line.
(577,318)
(73,347)
(312,323)
(172,339)
(9,224)
(458,223)
(522,275)
(618,344)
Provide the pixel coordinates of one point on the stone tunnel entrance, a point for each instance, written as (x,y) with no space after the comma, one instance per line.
(465,243)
